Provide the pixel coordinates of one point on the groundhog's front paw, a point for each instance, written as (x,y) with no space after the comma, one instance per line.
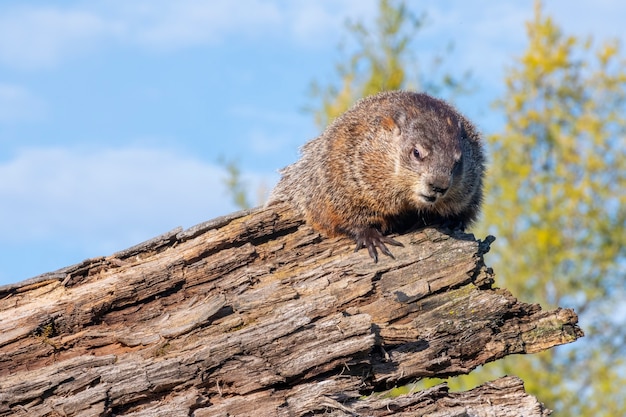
(372,238)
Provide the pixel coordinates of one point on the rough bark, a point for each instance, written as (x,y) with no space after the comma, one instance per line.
(256,314)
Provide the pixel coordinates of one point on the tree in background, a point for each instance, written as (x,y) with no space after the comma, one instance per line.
(384,58)
(556,201)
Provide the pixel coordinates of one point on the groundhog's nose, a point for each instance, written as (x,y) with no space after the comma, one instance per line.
(435,189)
(439,185)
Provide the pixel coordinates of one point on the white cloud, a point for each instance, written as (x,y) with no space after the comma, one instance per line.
(33,37)
(18,104)
(108,197)
(162,23)
(166,24)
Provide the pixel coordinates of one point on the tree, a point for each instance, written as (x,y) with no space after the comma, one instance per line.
(556,202)
(383,59)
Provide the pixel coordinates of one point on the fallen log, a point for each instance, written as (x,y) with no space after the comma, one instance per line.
(256,314)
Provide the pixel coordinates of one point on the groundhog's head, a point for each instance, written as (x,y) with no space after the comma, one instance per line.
(433,140)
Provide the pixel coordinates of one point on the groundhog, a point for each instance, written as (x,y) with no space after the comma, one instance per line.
(394,161)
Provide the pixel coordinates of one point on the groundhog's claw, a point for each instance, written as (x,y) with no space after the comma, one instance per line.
(371,238)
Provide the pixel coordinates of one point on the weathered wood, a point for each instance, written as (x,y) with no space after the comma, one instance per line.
(256,314)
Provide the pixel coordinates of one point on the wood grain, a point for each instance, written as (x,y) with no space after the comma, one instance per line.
(256,314)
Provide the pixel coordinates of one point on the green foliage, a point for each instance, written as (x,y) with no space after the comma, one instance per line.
(559,169)
(556,202)
(383,59)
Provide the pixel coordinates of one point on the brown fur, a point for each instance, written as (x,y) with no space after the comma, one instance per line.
(393,160)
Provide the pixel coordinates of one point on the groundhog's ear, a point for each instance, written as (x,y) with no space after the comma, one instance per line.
(392,123)
(387,123)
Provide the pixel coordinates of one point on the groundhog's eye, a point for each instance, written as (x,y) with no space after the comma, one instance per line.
(416,154)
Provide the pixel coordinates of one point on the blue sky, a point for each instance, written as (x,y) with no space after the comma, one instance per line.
(114,114)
